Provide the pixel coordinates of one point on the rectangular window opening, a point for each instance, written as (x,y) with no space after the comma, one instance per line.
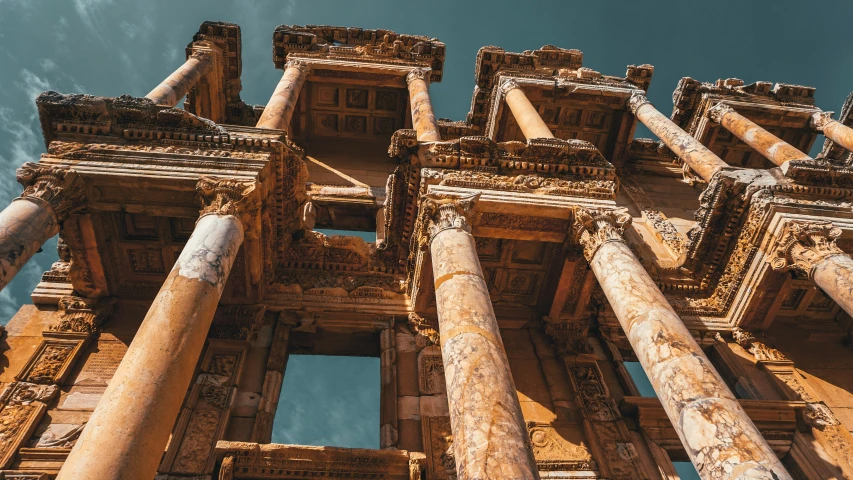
(641,381)
(369,237)
(329,401)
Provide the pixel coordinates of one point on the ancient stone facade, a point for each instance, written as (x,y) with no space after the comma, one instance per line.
(524,257)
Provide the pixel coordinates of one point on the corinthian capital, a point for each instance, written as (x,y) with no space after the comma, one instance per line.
(636,101)
(593,228)
(718,111)
(60,187)
(508,85)
(418,74)
(820,120)
(444,213)
(227,196)
(299,65)
(803,245)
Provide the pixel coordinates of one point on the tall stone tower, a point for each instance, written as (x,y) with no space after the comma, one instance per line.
(529,261)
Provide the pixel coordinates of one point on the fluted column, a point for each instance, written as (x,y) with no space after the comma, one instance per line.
(833,129)
(716,433)
(809,248)
(490,439)
(50,194)
(423,118)
(279,109)
(525,114)
(770,146)
(128,431)
(697,156)
(181,81)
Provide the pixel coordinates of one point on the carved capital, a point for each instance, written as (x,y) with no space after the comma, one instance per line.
(569,338)
(593,228)
(445,213)
(418,74)
(300,65)
(81,315)
(60,187)
(803,245)
(226,196)
(757,348)
(818,415)
(718,111)
(821,120)
(508,85)
(636,101)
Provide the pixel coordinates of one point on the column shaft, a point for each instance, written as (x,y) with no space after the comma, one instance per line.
(423,118)
(770,146)
(701,160)
(834,275)
(490,438)
(24,227)
(717,434)
(526,115)
(279,109)
(181,81)
(126,434)
(833,130)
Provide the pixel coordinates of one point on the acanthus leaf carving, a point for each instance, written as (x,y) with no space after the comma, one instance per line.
(81,315)
(445,213)
(593,228)
(228,196)
(718,111)
(802,245)
(62,188)
(637,100)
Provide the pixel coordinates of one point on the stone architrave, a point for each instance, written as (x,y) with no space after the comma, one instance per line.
(770,146)
(50,195)
(423,117)
(490,438)
(279,109)
(718,436)
(810,249)
(129,428)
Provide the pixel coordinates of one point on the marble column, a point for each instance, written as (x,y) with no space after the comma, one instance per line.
(490,438)
(833,129)
(718,436)
(525,114)
(809,249)
(701,160)
(50,194)
(128,431)
(770,146)
(279,109)
(423,118)
(181,81)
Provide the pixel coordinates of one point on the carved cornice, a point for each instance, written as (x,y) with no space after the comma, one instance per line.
(636,101)
(718,111)
(82,315)
(418,74)
(802,245)
(226,196)
(60,187)
(445,213)
(820,120)
(592,228)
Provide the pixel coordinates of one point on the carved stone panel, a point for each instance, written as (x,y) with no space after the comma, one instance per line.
(559,447)
(438,447)
(431,371)
(51,362)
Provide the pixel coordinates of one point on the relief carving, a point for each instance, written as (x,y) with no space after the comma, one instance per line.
(431,371)
(60,187)
(594,228)
(81,315)
(803,245)
(224,196)
(48,363)
(593,395)
(554,453)
(448,212)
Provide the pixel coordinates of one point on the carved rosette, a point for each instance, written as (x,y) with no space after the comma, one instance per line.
(60,187)
(227,196)
(636,101)
(718,111)
(418,74)
(445,213)
(594,227)
(508,85)
(821,120)
(803,245)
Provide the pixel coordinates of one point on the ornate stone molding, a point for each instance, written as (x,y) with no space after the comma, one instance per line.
(820,120)
(718,111)
(802,245)
(508,85)
(226,196)
(595,227)
(757,348)
(448,212)
(818,415)
(81,315)
(301,65)
(60,187)
(418,74)
(636,101)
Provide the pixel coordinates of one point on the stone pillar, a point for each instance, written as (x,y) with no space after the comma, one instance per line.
(717,434)
(490,438)
(809,249)
(423,118)
(531,124)
(181,81)
(770,146)
(280,108)
(50,194)
(833,129)
(128,431)
(701,160)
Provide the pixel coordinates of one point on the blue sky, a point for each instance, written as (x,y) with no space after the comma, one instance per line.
(113,47)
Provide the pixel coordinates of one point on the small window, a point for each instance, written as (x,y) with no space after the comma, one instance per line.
(329,401)
(369,237)
(686,470)
(641,381)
